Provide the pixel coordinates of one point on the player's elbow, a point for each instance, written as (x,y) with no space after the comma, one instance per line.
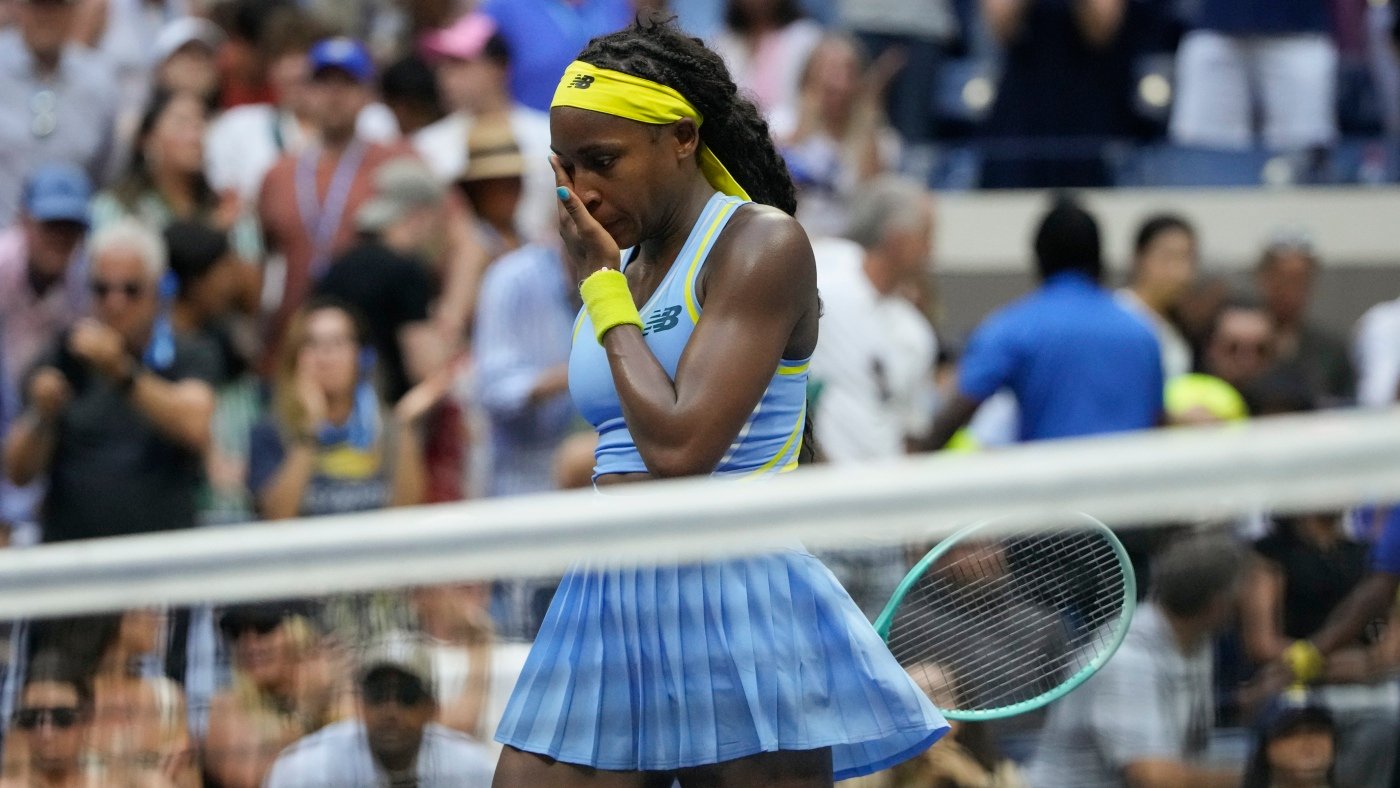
(679,460)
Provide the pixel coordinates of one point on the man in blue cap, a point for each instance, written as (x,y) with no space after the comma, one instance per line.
(309,200)
(41,293)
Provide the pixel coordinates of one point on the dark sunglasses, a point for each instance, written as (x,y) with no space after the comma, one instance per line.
(1259,349)
(59,717)
(233,630)
(131,290)
(406,694)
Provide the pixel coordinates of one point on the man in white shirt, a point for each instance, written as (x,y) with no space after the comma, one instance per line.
(473,69)
(394,742)
(1376,353)
(1165,260)
(873,367)
(872,372)
(1144,719)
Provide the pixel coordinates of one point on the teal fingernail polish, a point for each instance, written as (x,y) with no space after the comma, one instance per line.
(562,192)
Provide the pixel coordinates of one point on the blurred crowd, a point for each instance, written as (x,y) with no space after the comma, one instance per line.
(265,259)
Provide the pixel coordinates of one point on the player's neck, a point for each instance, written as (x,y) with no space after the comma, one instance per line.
(666,245)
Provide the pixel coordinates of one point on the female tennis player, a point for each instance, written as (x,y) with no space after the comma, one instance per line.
(757,671)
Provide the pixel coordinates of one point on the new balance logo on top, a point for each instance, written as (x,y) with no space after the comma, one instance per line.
(582,81)
(662,319)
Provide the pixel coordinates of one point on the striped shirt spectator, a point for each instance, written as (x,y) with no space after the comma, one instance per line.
(523,328)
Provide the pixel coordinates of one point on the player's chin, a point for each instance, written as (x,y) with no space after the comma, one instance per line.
(622,233)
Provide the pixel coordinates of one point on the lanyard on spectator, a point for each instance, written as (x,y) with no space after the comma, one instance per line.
(322,219)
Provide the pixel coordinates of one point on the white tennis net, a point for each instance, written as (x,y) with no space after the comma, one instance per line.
(1305,463)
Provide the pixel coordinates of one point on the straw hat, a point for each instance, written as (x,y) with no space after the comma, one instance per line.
(492,152)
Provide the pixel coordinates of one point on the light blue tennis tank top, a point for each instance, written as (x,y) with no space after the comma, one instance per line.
(771,438)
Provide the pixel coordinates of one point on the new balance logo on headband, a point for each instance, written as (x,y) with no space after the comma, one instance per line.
(582,81)
(662,319)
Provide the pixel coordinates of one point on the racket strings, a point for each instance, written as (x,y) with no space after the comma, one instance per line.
(1005,622)
(936,586)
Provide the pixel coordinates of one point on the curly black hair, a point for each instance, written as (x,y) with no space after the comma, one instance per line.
(657,50)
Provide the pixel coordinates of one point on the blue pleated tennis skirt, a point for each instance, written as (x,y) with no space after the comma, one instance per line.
(668,667)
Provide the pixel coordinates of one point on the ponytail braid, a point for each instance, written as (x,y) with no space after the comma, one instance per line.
(732,128)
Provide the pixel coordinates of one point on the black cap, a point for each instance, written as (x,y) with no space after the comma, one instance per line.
(263,615)
(1284,718)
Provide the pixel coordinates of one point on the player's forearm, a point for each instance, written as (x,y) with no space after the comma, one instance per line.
(662,428)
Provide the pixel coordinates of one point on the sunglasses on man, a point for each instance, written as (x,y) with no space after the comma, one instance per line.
(233,630)
(101,289)
(61,717)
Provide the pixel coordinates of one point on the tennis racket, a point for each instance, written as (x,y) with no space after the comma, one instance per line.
(999,620)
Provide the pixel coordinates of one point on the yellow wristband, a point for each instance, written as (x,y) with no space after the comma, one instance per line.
(1305,660)
(608,301)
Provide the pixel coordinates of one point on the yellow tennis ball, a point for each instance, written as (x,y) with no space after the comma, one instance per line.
(1196,398)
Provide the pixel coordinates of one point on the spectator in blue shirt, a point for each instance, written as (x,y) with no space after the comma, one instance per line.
(544,35)
(1274,54)
(1078,362)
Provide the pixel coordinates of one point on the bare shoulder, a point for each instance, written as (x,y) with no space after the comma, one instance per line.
(764,244)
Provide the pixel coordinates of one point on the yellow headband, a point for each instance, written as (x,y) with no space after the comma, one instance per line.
(586,86)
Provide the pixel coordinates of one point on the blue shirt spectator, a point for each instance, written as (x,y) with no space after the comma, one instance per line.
(1386,555)
(544,35)
(1078,363)
(524,325)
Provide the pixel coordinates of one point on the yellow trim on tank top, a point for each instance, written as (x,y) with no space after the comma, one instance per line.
(794,369)
(578,324)
(700,255)
(783,452)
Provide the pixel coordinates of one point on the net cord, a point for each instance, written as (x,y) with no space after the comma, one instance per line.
(1287,464)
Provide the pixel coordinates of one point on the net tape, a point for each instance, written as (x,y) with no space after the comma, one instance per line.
(1284,464)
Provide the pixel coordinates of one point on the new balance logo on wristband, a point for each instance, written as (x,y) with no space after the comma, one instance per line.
(582,82)
(662,319)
